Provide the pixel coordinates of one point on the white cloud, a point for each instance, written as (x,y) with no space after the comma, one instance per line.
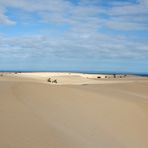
(84,14)
(71,46)
(126,26)
(82,40)
(4,19)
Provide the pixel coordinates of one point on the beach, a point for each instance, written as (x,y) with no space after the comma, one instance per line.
(79,111)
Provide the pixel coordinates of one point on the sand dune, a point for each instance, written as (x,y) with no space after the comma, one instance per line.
(68,78)
(38,115)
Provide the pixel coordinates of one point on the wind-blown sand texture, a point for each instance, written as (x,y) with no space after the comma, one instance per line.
(103,115)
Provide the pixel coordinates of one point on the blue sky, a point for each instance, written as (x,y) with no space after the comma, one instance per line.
(74,35)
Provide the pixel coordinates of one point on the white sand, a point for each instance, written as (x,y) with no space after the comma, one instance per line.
(68,78)
(37,115)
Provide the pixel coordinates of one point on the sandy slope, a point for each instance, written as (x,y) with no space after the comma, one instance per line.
(34,115)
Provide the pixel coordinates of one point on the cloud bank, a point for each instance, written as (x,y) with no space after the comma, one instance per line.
(74,30)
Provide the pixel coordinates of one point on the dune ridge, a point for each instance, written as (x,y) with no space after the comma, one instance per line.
(69,78)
